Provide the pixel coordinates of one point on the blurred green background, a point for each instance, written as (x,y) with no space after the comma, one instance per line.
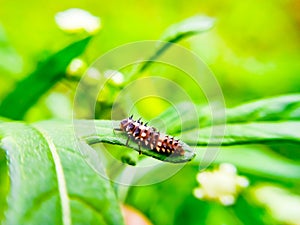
(253,50)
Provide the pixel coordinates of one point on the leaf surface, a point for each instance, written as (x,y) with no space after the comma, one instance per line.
(244,133)
(51,181)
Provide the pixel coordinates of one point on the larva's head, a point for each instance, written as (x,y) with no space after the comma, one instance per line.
(124,123)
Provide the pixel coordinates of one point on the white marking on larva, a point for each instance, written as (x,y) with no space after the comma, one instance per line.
(163,149)
(151,146)
(144,134)
(146,142)
(159,143)
(157,149)
(142,127)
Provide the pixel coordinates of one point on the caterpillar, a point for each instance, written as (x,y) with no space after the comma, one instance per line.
(150,138)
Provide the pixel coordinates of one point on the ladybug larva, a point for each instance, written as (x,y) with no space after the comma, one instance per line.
(150,138)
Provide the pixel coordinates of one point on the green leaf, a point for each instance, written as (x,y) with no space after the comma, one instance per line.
(4,184)
(179,31)
(50,180)
(266,121)
(34,153)
(280,108)
(244,133)
(286,107)
(289,150)
(50,176)
(252,159)
(30,89)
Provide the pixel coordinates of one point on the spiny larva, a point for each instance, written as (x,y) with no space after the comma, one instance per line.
(150,138)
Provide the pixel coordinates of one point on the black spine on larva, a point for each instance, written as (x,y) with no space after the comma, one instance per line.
(150,138)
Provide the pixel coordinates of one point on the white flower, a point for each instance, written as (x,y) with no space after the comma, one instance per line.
(115,76)
(76,20)
(222,184)
(283,205)
(94,74)
(76,67)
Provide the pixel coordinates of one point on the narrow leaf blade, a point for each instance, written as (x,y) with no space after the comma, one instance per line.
(31,88)
(244,133)
(179,31)
(279,108)
(286,107)
(253,159)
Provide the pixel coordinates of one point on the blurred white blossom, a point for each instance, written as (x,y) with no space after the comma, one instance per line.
(76,67)
(115,77)
(92,77)
(282,204)
(76,20)
(222,184)
(94,74)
